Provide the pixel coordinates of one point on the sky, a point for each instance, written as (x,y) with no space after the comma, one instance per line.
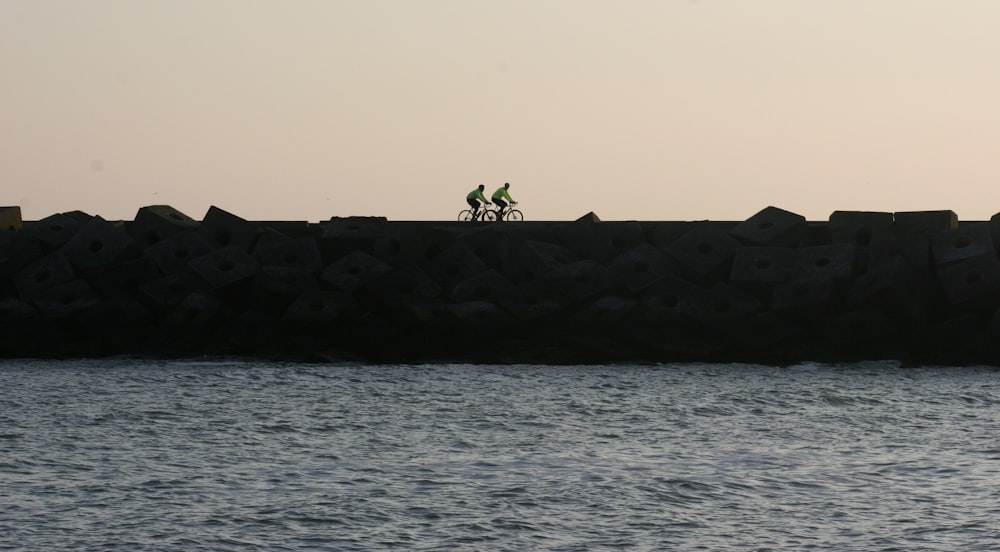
(632,109)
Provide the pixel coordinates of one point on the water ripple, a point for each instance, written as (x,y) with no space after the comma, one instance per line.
(223,454)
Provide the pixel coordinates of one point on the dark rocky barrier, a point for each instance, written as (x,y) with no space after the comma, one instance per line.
(775,288)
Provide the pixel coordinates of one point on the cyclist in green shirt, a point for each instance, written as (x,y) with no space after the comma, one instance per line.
(473,199)
(498,199)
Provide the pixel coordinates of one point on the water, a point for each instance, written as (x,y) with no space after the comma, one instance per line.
(219,455)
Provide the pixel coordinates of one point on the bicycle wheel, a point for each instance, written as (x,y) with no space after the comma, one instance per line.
(465,215)
(489,215)
(513,215)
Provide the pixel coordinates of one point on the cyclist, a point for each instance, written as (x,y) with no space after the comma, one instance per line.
(498,199)
(473,199)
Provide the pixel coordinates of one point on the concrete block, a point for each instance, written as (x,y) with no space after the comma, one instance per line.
(609,314)
(46,272)
(483,316)
(860,228)
(122,279)
(155,223)
(223,229)
(531,261)
(488,285)
(97,243)
(762,264)
(225,267)
(667,302)
(173,254)
(771,226)
(532,301)
(803,294)
(354,270)
(299,253)
(720,305)
(578,281)
(405,244)
(65,299)
(860,327)
(604,241)
(454,265)
(704,252)
(924,222)
(663,233)
(323,308)
(835,261)
(169,291)
(10,218)
(972,284)
(54,230)
(343,235)
(639,268)
(964,242)
(275,287)
(892,287)
(404,286)
(286,281)
(915,248)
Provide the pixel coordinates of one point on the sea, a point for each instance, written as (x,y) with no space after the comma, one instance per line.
(233,454)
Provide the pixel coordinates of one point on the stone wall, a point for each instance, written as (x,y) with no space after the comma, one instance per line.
(775,288)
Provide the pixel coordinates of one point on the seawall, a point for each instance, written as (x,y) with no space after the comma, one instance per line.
(920,287)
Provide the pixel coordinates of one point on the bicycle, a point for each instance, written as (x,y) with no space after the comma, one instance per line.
(485,214)
(489,212)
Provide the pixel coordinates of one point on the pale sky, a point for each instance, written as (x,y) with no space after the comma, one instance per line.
(632,109)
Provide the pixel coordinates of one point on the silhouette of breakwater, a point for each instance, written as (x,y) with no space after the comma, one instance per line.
(774,288)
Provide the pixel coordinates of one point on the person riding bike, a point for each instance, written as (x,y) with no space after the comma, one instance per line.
(498,199)
(473,199)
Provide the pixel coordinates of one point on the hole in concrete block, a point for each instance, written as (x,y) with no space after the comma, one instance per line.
(670,301)
(66,299)
(762,264)
(288,279)
(973,278)
(482,291)
(226,265)
(704,248)
(581,279)
(316,305)
(223,238)
(290,258)
(56,228)
(354,270)
(722,306)
(764,225)
(181,253)
(152,237)
(961,242)
(176,216)
(42,276)
(641,266)
(96,246)
(617,242)
(394,247)
(863,237)
(822,262)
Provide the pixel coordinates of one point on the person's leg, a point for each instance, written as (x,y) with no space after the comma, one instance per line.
(474,203)
(503,205)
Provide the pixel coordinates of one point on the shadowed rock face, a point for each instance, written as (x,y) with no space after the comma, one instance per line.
(775,288)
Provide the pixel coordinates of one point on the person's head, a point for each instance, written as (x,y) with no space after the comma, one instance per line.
(506,185)
(482,187)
